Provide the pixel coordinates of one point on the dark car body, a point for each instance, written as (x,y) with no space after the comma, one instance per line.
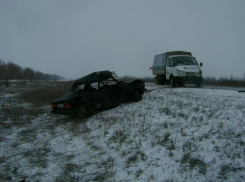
(96,92)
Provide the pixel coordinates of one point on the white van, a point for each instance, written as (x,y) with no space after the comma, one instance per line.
(177,67)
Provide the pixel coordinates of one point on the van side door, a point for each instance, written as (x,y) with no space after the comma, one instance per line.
(169,68)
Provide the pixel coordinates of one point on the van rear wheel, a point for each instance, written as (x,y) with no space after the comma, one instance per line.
(160,80)
(182,83)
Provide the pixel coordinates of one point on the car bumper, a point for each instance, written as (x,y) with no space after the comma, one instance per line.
(61,112)
(190,79)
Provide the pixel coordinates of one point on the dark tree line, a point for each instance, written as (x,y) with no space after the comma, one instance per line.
(225,81)
(12,71)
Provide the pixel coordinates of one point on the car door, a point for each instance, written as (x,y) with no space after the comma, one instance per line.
(169,68)
(111,94)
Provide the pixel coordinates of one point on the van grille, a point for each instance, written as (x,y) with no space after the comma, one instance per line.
(190,74)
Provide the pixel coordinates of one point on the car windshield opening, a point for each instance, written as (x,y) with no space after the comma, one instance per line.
(184,60)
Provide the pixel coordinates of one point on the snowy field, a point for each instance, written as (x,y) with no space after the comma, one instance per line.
(173,134)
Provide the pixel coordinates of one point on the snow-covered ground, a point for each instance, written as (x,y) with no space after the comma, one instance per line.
(173,134)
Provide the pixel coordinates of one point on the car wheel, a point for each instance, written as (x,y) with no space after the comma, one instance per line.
(172,83)
(137,95)
(92,110)
(199,84)
(82,112)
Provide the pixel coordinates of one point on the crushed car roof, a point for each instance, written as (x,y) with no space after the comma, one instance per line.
(93,77)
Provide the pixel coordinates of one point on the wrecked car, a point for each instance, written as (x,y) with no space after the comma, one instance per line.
(96,92)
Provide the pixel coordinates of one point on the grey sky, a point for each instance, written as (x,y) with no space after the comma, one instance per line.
(74,38)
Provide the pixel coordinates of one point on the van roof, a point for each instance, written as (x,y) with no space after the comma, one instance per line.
(178,53)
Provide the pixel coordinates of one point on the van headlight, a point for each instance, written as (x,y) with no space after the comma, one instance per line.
(199,74)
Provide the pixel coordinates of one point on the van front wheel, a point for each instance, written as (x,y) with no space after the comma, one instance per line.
(172,82)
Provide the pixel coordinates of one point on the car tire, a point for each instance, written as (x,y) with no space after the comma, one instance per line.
(137,95)
(198,84)
(172,82)
(82,112)
(92,110)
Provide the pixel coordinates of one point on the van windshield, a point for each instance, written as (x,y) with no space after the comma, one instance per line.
(184,60)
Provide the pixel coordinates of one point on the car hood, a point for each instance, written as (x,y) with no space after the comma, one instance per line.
(66,97)
(188,68)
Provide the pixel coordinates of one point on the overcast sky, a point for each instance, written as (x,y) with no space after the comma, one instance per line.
(73,38)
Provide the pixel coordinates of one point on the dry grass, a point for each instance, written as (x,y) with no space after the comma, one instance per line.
(45,94)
